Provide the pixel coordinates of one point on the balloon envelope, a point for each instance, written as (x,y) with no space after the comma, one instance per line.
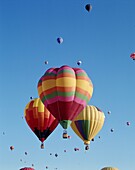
(65,91)
(109,168)
(88,7)
(39,119)
(88,123)
(60,40)
(27,168)
(132,56)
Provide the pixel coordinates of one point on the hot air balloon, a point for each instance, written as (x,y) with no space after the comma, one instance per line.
(109,112)
(109,168)
(60,40)
(79,62)
(11,148)
(132,56)
(39,119)
(65,91)
(88,7)
(76,149)
(46,62)
(128,123)
(56,155)
(88,123)
(112,130)
(27,168)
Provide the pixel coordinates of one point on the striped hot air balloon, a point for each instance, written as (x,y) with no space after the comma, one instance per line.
(88,123)
(65,91)
(109,168)
(39,119)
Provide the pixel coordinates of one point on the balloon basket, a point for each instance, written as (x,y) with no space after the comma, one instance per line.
(42,146)
(65,135)
(86,147)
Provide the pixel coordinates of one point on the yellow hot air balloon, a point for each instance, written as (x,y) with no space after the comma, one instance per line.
(88,123)
(109,168)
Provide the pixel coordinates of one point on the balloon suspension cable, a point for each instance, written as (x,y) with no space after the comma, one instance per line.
(42,145)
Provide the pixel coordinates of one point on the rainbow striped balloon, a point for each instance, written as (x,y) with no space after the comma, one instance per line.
(65,91)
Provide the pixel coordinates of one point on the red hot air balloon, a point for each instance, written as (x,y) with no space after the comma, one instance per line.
(27,168)
(39,119)
(132,56)
(11,148)
(65,91)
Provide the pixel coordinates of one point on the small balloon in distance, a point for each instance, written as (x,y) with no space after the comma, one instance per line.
(60,40)
(88,7)
(132,56)
(76,149)
(128,123)
(79,62)
(11,148)
(46,62)
(112,130)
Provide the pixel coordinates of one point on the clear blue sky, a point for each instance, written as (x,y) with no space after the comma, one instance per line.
(103,40)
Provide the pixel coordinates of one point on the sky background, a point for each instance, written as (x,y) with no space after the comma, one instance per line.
(103,40)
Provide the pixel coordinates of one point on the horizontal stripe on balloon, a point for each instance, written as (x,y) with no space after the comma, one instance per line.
(66,82)
(64,99)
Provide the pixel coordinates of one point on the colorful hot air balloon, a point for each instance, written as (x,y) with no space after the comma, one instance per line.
(132,56)
(39,119)
(27,168)
(88,7)
(109,168)
(65,91)
(88,123)
(60,40)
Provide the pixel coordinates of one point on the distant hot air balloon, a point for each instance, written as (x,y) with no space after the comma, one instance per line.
(39,119)
(88,123)
(88,7)
(56,155)
(128,123)
(25,153)
(109,168)
(11,148)
(132,56)
(76,149)
(27,168)
(112,130)
(109,112)
(60,40)
(79,62)
(46,62)
(65,91)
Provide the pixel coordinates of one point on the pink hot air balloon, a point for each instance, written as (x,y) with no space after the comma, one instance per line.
(27,168)
(132,56)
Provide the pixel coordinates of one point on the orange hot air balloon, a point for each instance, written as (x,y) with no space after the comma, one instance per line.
(39,119)
(65,91)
